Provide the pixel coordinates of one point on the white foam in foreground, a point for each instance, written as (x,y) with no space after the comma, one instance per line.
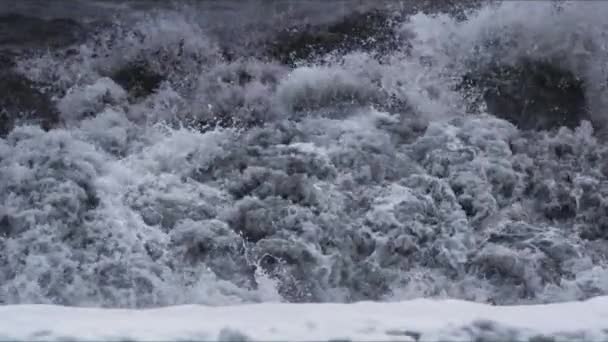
(418,319)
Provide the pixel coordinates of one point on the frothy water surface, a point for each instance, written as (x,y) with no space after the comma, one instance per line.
(187,164)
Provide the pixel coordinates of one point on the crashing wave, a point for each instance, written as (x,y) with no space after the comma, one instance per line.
(176,174)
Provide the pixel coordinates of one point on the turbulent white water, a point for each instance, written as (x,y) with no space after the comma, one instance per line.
(415,320)
(348,177)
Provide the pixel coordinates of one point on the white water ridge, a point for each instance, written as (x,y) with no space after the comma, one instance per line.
(416,320)
(424,172)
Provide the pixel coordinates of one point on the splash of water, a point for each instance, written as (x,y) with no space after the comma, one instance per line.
(347,178)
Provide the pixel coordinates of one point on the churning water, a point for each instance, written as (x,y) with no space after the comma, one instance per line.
(232,152)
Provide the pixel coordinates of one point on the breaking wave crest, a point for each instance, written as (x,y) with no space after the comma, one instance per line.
(185,167)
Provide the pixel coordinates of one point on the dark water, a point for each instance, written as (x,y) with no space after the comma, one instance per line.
(158,153)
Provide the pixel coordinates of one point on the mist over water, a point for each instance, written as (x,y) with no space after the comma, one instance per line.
(182,157)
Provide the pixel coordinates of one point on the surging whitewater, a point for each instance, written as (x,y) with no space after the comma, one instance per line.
(342,177)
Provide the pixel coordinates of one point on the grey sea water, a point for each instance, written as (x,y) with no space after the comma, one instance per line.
(157,153)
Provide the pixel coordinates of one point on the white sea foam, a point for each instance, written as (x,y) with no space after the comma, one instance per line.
(352,179)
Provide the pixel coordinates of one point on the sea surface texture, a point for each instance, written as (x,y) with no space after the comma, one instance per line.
(230,152)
